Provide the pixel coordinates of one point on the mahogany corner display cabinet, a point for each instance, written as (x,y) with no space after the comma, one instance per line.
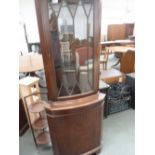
(70,43)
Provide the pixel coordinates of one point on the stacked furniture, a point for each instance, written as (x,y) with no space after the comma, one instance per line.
(118,92)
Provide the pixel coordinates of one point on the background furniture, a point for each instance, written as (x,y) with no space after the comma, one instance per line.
(127,63)
(119,97)
(111,76)
(39,126)
(27,86)
(117,43)
(30,63)
(121,51)
(34,47)
(23,122)
(130,80)
(118,47)
(120,31)
(104,58)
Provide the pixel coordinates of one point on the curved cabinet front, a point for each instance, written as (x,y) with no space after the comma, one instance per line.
(75,125)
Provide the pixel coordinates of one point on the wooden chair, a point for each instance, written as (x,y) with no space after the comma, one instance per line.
(127,64)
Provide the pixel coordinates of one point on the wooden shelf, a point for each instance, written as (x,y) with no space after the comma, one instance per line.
(36,107)
(40,123)
(43,138)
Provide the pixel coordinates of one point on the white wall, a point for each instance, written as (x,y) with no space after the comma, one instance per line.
(28,16)
(22,42)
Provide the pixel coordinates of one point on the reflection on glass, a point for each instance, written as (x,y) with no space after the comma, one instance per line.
(71,28)
(80,23)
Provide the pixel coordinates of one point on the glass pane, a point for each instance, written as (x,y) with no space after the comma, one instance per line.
(72,6)
(87,6)
(55,6)
(71,28)
(80,23)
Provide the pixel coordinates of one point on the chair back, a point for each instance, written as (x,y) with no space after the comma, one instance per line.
(128,62)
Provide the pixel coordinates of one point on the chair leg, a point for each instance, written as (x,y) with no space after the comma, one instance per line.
(105,66)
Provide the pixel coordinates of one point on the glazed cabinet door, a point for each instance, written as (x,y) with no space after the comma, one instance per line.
(70,35)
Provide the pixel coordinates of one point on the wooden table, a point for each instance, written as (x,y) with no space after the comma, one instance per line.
(117,42)
(117,46)
(111,76)
(119,50)
(30,63)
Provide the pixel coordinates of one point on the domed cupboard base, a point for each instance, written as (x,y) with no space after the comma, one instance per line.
(75,125)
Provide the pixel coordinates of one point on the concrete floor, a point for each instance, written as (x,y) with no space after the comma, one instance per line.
(118,136)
